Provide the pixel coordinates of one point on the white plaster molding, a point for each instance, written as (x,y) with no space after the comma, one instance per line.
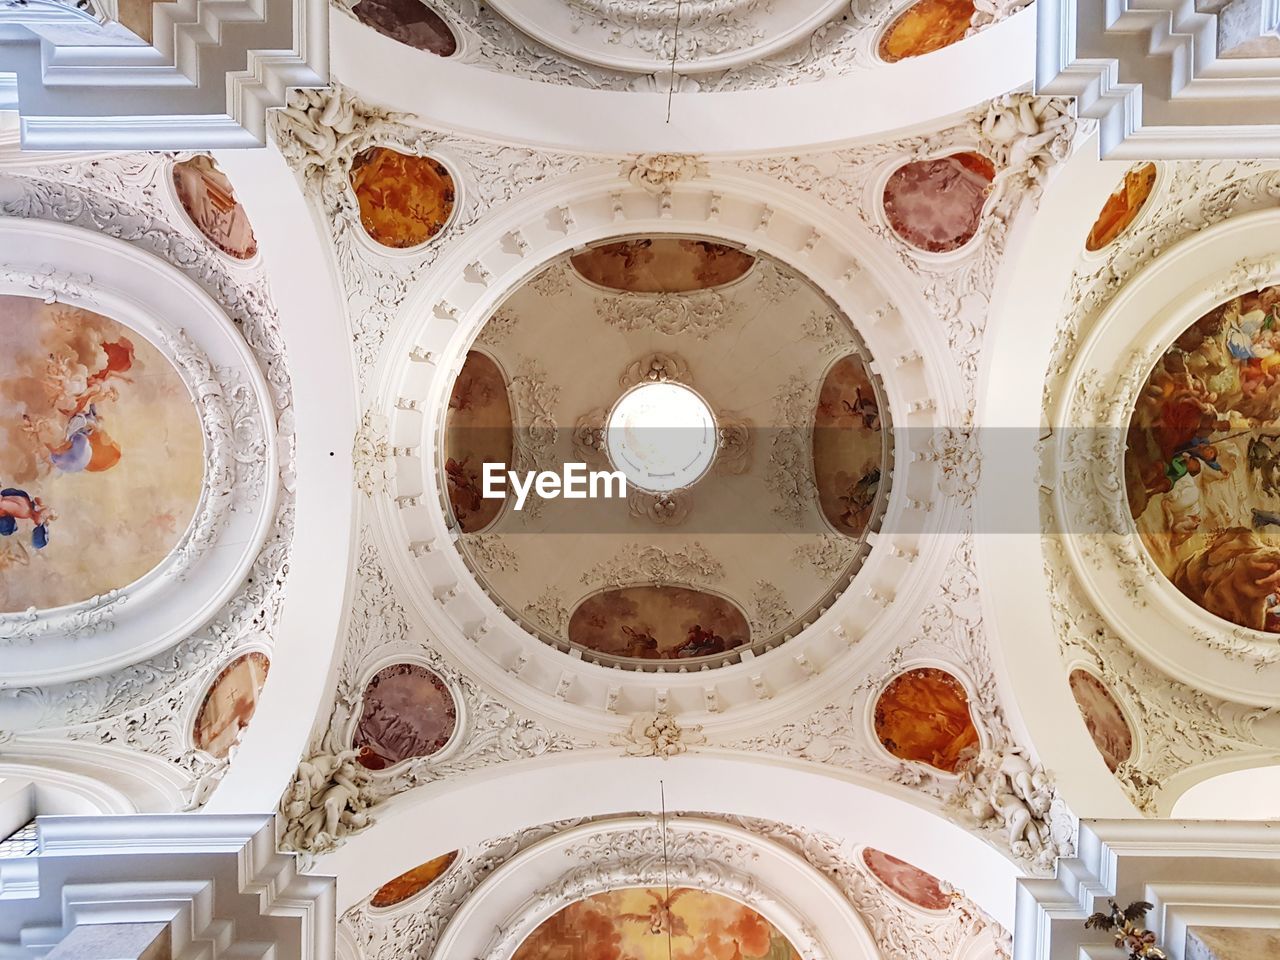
(702,854)
(469,810)
(901,930)
(109,215)
(715,35)
(1193,872)
(766,107)
(1154,78)
(207,80)
(237,502)
(1110,363)
(595,200)
(217,881)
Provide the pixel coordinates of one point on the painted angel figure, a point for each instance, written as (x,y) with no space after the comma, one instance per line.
(660,918)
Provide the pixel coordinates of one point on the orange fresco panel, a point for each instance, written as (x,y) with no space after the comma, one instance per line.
(1122,207)
(923,715)
(412,882)
(404,199)
(925,27)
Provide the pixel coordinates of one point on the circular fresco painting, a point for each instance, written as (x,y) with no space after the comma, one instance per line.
(404,199)
(229,705)
(1104,718)
(936,204)
(1202,465)
(407,712)
(907,881)
(923,716)
(412,882)
(101,455)
(643,923)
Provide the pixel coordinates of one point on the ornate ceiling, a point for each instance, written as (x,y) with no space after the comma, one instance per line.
(974,540)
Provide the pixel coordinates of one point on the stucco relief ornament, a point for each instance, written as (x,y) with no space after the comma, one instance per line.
(656,172)
(321,126)
(1003,790)
(658,735)
(663,509)
(989,12)
(958,458)
(655,368)
(734,443)
(1026,136)
(371,454)
(328,800)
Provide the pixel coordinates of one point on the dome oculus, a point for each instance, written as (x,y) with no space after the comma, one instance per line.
(662,436)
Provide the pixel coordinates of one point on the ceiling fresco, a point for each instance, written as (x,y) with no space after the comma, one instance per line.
(847,454)
(404,199)
(923,715)
(1104,718)
(1202,469)
(412,882)
(229,705)
(641,923)
(936,205)
(924,27)
(760,541)
(658,623)
(101,455)
(662,264)
(912,884)
(1122,207)
(210,201)
(406,712)
(478,429)
(410,22)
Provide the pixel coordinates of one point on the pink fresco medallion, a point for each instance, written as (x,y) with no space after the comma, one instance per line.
(907,881)
(936,204)
(407,712)
(1104,718)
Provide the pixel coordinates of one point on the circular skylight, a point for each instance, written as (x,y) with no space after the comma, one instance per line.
(662,436)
